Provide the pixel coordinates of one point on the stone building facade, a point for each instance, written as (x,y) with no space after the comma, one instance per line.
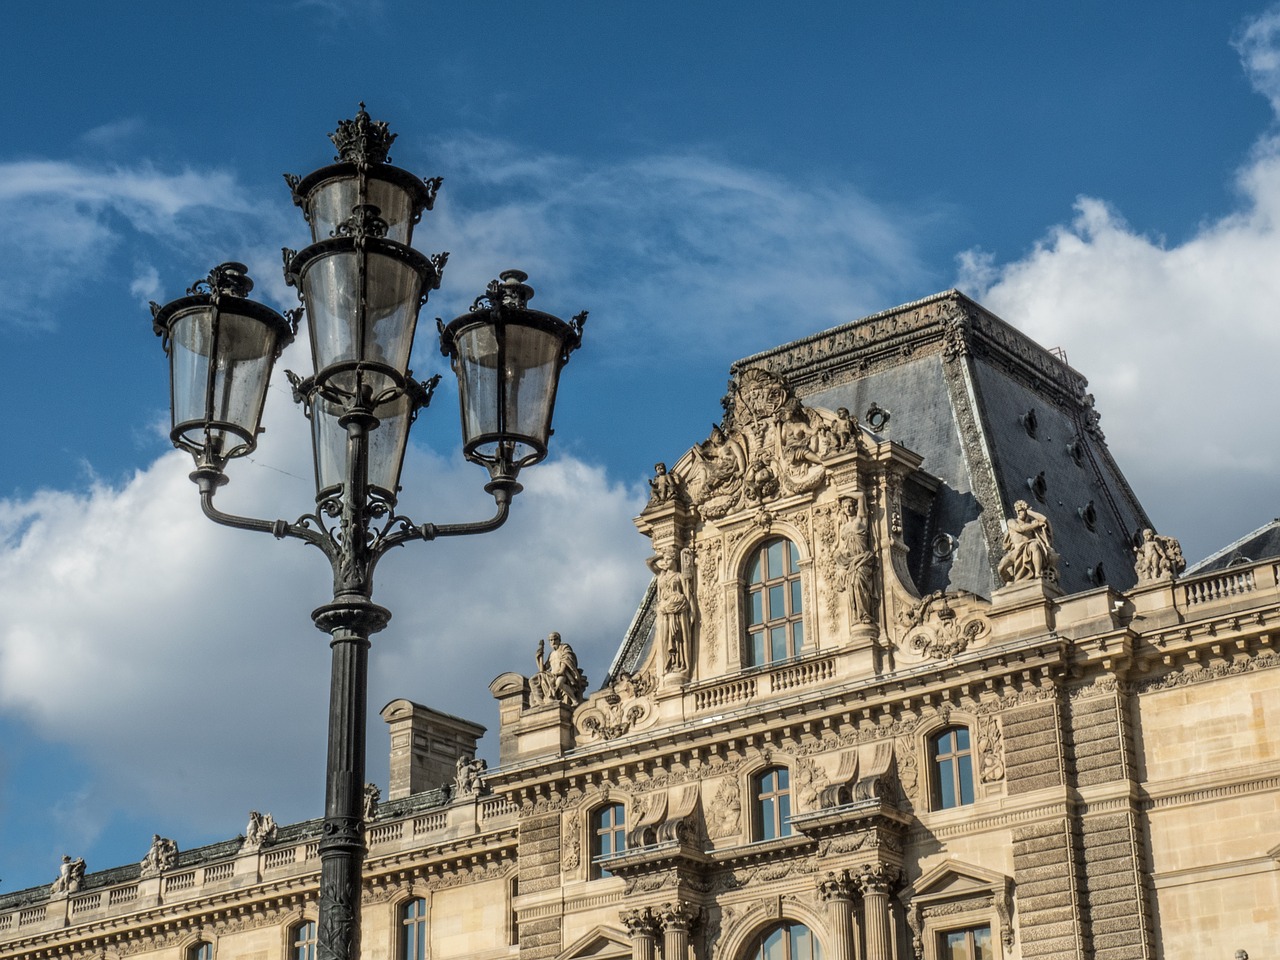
(914,679)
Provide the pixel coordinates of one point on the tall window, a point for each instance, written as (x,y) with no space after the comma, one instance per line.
(202,950)
(775,628)
(971,944)
(772,804)
(608,835)
(413,930)
(952,768)
(304,941)
(785,941)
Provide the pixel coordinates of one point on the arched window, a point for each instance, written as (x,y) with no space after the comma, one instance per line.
(952,762)
(785,941)
(775,625)
(413,930)
(201,950)
(772,792)
(608,835)
(303,940)
(973,943)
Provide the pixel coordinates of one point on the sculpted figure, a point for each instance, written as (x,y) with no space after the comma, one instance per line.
(720,460)
(1158,557)
(1028,547)
(558,679)
(663,485)
(855,553)
(70,875)
(843,429)
(799,442)
(261,829)
(469,776)
(674,629)
(162,856)
(372,796)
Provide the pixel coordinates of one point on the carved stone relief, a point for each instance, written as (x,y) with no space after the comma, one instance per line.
(810,780)
(626,706)
(935,630)
(710,554)
(990,748)
(724,819)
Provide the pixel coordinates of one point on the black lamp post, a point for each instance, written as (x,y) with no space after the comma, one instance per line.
(362,285)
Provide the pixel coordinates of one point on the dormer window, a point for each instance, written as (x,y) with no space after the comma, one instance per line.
(775,625)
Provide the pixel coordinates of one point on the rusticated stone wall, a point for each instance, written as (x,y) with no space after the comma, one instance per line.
(1046,864)
(539,858)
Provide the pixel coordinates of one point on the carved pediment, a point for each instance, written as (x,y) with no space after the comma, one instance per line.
(952,885)
(601,943)
(769,445)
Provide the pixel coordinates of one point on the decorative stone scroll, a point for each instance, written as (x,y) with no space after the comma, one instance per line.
(769,445)
(936,631)
(1157,557)
(627,705)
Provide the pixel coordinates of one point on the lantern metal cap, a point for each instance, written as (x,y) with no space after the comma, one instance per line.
(227,285)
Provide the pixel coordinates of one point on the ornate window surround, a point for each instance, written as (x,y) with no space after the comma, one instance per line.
(924,736)
(742,931)
(592,847)
(954,895)
(290,923)
(293,932)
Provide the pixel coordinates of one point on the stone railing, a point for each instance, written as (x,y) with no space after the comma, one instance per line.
(765,682)
(1243,584)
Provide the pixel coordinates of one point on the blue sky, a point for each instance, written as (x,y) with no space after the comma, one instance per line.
(708,179)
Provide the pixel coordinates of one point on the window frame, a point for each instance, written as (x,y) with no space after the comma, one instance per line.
(789,584)
(302,947)
(609,820)
(755,946)
(413,928)
(200,950)
(940,945)
(771,807)
(953,772)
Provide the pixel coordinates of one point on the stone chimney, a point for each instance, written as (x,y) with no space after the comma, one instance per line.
(425,746)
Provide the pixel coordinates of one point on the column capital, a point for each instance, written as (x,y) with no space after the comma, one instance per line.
(678,915)
(640,922)
(877,878)
(837,886)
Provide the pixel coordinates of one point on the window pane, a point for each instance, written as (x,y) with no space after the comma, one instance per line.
(768,819)
(774,565)
(778,643)
(955,946)
(964,766)
(982,949)
(784,814)
(801,942)
(946,784)
(797,636)
(794,555)
(961,736)
(753,571)
(772,948)
(757,607)
(777,608)
(796,606)
(757,649)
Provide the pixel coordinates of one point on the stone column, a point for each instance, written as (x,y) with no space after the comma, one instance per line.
(875,881)
(676,918)
(642,927)
(838,891)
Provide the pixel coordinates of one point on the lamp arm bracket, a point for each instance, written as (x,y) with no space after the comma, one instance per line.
(431,531)
(277,528)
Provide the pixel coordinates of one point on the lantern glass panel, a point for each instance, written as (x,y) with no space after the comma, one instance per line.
(342,332)
(532,370)
(386,445)
(220,364)
(332,203)
(329,442)
(476,365)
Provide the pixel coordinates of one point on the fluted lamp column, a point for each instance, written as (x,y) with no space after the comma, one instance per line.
(361,285)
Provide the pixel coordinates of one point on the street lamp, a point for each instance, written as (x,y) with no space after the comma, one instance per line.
(362,285)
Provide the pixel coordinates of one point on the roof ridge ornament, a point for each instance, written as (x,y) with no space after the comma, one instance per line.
(363,140)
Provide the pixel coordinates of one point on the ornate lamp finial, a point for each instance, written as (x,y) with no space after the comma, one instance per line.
(362,140)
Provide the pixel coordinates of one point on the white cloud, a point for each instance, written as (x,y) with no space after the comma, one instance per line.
(178,659)
(1178,342)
